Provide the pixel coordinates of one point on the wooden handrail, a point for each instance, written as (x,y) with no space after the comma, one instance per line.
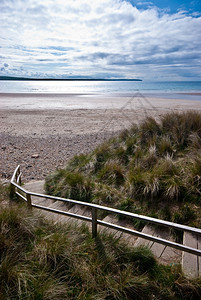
(95,221)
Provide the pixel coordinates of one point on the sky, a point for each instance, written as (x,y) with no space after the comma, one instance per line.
(150,40)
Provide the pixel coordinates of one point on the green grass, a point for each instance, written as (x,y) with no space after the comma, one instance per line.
(40,260)
(154,166)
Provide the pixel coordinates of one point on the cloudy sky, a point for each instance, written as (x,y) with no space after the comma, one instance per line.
(151,40)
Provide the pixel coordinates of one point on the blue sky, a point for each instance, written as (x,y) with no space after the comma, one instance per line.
(152,40)
(172,6)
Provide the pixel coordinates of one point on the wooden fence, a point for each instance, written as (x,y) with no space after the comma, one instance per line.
(25,195)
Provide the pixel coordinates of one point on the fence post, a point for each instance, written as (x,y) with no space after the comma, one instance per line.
(94,222)
(28,196)
(16,174)
(12,191)
(20,179)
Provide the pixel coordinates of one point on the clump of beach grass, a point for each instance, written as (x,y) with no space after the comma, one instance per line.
(157,162)
(71,185)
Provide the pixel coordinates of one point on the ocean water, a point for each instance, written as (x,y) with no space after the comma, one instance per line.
(169,88)
(92,94)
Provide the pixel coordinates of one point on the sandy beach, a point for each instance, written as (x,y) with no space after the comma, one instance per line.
(42,132)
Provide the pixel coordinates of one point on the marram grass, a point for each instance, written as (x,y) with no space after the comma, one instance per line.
(155,166)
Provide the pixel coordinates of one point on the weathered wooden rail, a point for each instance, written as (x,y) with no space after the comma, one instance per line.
(25,195)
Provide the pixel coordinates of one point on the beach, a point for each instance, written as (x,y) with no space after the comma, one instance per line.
(41,132)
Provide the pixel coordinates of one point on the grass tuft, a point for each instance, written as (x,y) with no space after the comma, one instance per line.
(112,174)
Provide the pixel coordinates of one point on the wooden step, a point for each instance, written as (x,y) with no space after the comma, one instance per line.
(35,186)
(164,254)
(130,239)
(79,210)
(191,264)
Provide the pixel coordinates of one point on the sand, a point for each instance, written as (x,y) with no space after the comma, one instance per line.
(42,132)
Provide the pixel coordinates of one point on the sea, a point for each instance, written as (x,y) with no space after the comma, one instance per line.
(78,94)
(175,89)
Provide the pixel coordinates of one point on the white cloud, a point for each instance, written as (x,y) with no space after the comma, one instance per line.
(98,37)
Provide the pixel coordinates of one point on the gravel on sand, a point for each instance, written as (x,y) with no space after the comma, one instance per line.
(42,140)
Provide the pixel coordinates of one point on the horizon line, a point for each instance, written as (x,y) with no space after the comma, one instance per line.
(70,79)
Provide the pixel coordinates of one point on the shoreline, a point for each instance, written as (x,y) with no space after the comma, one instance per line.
(42,140)
(72,101)
(146,93)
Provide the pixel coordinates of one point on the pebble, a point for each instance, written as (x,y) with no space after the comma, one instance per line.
(29,166)
(35,156)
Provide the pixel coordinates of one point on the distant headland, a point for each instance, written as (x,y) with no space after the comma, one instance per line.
(65,79)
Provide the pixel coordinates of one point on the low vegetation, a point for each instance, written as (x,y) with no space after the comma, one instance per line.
(40,260)
(153,168)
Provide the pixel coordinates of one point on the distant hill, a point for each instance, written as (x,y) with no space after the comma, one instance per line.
(64,79)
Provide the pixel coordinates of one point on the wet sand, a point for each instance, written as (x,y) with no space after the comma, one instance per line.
(42,132)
